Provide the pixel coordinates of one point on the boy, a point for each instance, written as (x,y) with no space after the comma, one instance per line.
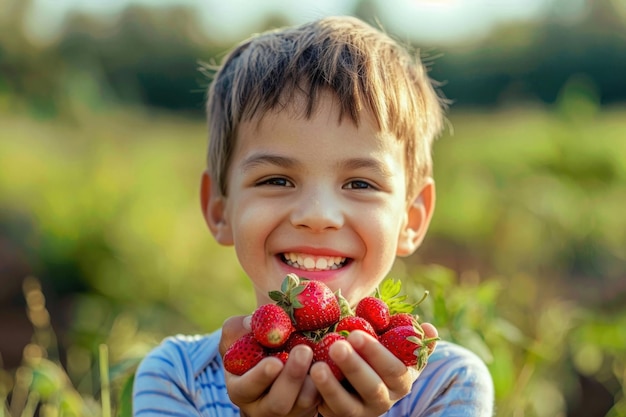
(319,164)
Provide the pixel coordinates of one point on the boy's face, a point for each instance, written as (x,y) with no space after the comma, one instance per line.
(322,199)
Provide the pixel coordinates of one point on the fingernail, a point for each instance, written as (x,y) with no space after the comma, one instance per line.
(301,354)
(246,322)
(319,372)
(341,350)
(357,339)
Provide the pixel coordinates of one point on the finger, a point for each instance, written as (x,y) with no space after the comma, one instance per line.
(232,329)
(250,386)
(374,395)
(394,375)
(288,391)
(352,365)
(309,395)
(335,401)
(430,332)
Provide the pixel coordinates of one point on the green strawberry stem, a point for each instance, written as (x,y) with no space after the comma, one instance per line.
(344,305)
(421,300)
(430,340)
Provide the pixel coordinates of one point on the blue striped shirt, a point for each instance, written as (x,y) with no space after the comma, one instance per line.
(184,376)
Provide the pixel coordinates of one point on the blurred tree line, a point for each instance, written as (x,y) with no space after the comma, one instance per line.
(149,56)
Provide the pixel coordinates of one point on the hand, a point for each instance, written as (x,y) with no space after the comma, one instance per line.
(271,388)
(379,378)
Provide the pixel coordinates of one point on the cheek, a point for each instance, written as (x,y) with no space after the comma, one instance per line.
(382,231)
(251,228)
(245,230)
(383,225)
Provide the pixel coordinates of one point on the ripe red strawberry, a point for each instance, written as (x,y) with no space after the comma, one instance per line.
(401,319)
(404,342)
(351,323)
(408,345)
(320,353)
(312,305)
(271,325)
(244,354)
(375,311)
(297,338)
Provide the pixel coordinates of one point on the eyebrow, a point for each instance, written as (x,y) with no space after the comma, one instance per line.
(267,159)
(370,164)
(367,163)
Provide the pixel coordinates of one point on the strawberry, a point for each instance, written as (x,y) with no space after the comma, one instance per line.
(321,349)
(271,325)
(401,319)
(407,344)
(298,338)
(375,311)
(351,323)
(244,354)
(404,342)
(312,305)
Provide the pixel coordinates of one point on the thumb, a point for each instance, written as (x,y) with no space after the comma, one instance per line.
(232,329)
(430,332)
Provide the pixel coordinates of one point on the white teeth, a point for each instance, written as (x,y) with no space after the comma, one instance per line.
(313,263)
(309,263)
(321,263)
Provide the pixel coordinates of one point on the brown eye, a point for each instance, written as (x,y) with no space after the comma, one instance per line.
(358,185)
(276,181)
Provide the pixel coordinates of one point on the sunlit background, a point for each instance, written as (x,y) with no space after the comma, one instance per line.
(104,252)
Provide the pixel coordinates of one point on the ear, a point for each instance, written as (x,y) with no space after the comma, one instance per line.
(214,210)
(419,213)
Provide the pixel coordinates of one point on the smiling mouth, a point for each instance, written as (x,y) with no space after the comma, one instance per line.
(313,263)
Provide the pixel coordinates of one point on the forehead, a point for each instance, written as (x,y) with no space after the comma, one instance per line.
(291,132)
(299,107)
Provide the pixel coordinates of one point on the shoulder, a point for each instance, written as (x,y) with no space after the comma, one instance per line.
(455,380)
(188,353)
(182,376)
(452,358)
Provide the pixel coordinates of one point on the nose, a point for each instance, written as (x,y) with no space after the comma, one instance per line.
(318,210)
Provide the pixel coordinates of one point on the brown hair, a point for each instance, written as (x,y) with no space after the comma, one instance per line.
(364,67)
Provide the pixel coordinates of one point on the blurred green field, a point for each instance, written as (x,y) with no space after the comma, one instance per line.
(525,260)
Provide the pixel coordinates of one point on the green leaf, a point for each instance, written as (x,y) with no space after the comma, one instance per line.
(291,281)
(125,407)
(276,295)
(389,291)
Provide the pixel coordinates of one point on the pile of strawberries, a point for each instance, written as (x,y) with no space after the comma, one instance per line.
(308,312)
